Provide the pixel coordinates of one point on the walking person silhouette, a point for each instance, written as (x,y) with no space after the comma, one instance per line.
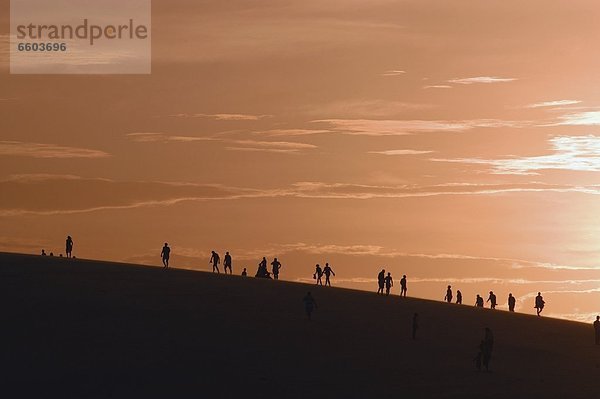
(69,246)
(309,305)
(381,281)
(539,303)
(389,283)
(458,297)
(511,302)
(492,300)
(403,286)
(327,271)
(318,274)
(479,301)
(215,260)
(448,297)
(276,265)
(165,254)
(227,263)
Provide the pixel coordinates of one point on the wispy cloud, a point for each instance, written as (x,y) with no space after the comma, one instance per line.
(39,150)
(394,72)
(378,127)
(400,152)
(437,87)
(97,194)
(589,118)
(233,144)
(223,117)
(576,153)
(555,103)
(290,132)
(481,79)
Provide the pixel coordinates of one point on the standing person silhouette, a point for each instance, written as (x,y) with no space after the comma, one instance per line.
(227,263)
(275,265)
(318,274)
(389,283)
(43,252)
(262,271)
(415,325)
(403,286)
(488,346)
(448,297)
(165,254)
(479,301)
(492,300)
(244,272)
(381,281)
(309,304)
(69,246)
(539,303)
(458,297)
(597,330)
(215,260)
(327,271)
(511,302)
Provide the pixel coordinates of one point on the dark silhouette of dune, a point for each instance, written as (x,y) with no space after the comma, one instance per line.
(87,329)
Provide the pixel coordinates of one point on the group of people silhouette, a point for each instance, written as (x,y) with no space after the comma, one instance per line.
(68,249)
(327,271)
(387,282)
(493,300)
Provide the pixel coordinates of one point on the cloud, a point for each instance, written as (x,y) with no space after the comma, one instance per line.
(400,152)
(437,87)
(360,191)
(575,153)
(38,150)
(481,79)
(36,194)
(589,118)
(378,127)
(555,103)
(234,144)
(393,73)
(223,117)
(290,132)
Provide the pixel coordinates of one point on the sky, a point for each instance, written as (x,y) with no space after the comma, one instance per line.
(456,142)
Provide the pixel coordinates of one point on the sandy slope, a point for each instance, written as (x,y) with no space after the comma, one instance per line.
(95,329)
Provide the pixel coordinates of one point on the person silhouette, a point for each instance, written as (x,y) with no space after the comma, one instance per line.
(309,304)
(389,283)
(318,274)
(511,302)
(215,260)
(415,325)
(479,301)
(448,297)
(458,297)
(69,246)
(539,303)
(165,254)
(262,271)
(51,253)
(488,346)
(43,252)
(227,263)
(403,286)
(597,330)
(327,271)
(492,300)
(275,265)
(244,272)
(381,281)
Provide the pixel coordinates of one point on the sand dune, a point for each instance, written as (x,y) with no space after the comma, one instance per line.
(96,329)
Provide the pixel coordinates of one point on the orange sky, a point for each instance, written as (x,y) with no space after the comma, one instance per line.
(453,141)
